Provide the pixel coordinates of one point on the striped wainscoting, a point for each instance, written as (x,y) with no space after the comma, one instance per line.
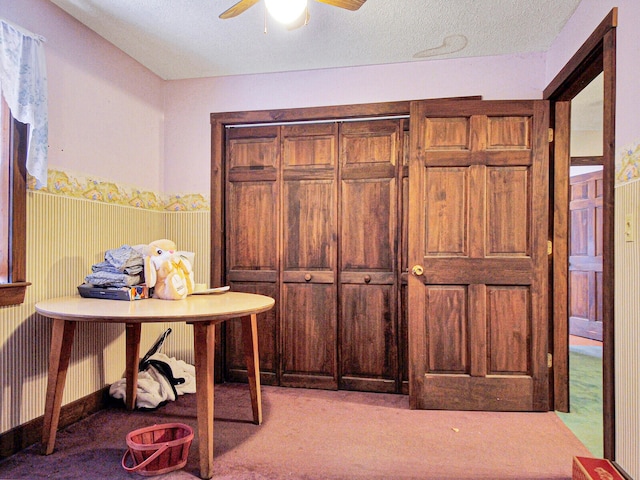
(190,231)
(627,329)
(65,236)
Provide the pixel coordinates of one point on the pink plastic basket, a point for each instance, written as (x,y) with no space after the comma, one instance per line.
(158,449)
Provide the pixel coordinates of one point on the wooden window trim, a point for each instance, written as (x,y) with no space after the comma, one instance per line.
(14,152)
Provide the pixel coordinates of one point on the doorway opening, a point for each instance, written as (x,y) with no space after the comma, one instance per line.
(596,57)
(585,267)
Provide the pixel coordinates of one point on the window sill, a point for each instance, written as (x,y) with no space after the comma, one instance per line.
(12,293)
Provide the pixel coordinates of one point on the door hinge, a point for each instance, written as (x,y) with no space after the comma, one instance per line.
(550,135)
(549,247)
(549,360)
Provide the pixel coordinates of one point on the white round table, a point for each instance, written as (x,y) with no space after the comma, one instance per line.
(204,312)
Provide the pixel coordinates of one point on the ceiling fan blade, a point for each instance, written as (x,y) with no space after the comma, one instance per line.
(238,8)
(348,4)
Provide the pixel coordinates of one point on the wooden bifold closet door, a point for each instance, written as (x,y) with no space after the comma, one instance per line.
(309,256)
(252,232)
(369,154)
(312,218)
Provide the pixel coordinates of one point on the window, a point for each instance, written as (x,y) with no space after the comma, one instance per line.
(13,197)
(23,88)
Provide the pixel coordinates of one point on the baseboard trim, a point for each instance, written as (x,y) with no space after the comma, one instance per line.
(29,433)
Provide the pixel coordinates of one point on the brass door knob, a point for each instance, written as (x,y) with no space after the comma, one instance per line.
(417,270)
(307,277)
(367,278)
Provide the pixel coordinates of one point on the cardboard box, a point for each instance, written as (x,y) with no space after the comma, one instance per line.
(136,292)
(586,468)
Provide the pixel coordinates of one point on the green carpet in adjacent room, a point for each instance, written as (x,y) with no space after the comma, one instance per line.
(585,397)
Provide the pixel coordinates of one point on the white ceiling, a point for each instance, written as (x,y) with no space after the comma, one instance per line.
(180,39)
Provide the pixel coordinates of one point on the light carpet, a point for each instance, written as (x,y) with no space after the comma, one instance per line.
(317,434)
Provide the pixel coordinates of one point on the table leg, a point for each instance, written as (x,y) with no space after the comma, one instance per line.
(132,358)
(250,342)
(61,341)
(204,345)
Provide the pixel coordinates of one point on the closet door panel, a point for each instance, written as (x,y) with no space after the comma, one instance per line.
(252,226)
(309,343)
(309,256)
(309,213)
(252,148)
(309,147)
(368,255)
(369,143)
(368,225)
(368,329)
(252,247)
(251,210)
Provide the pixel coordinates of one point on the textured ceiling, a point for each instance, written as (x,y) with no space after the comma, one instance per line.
(180,39)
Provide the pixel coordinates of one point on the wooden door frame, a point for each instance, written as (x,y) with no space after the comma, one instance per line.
(596,55)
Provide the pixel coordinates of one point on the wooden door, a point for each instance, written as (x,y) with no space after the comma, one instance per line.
(478,210)
(251,223)
(309,256)
(585,256)
(368,255)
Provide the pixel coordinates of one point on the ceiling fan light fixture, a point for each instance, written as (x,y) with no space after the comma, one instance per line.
(285,11)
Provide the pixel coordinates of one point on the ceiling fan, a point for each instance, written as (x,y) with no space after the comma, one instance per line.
(298,6)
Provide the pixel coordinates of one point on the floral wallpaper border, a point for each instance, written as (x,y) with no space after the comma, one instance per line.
(99,190)
(628,164)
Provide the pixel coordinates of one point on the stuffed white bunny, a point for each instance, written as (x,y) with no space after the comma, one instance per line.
(169,273)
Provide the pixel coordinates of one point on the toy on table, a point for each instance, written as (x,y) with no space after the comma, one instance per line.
(169,273)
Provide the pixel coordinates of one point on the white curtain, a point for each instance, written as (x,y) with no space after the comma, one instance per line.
(23,79)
